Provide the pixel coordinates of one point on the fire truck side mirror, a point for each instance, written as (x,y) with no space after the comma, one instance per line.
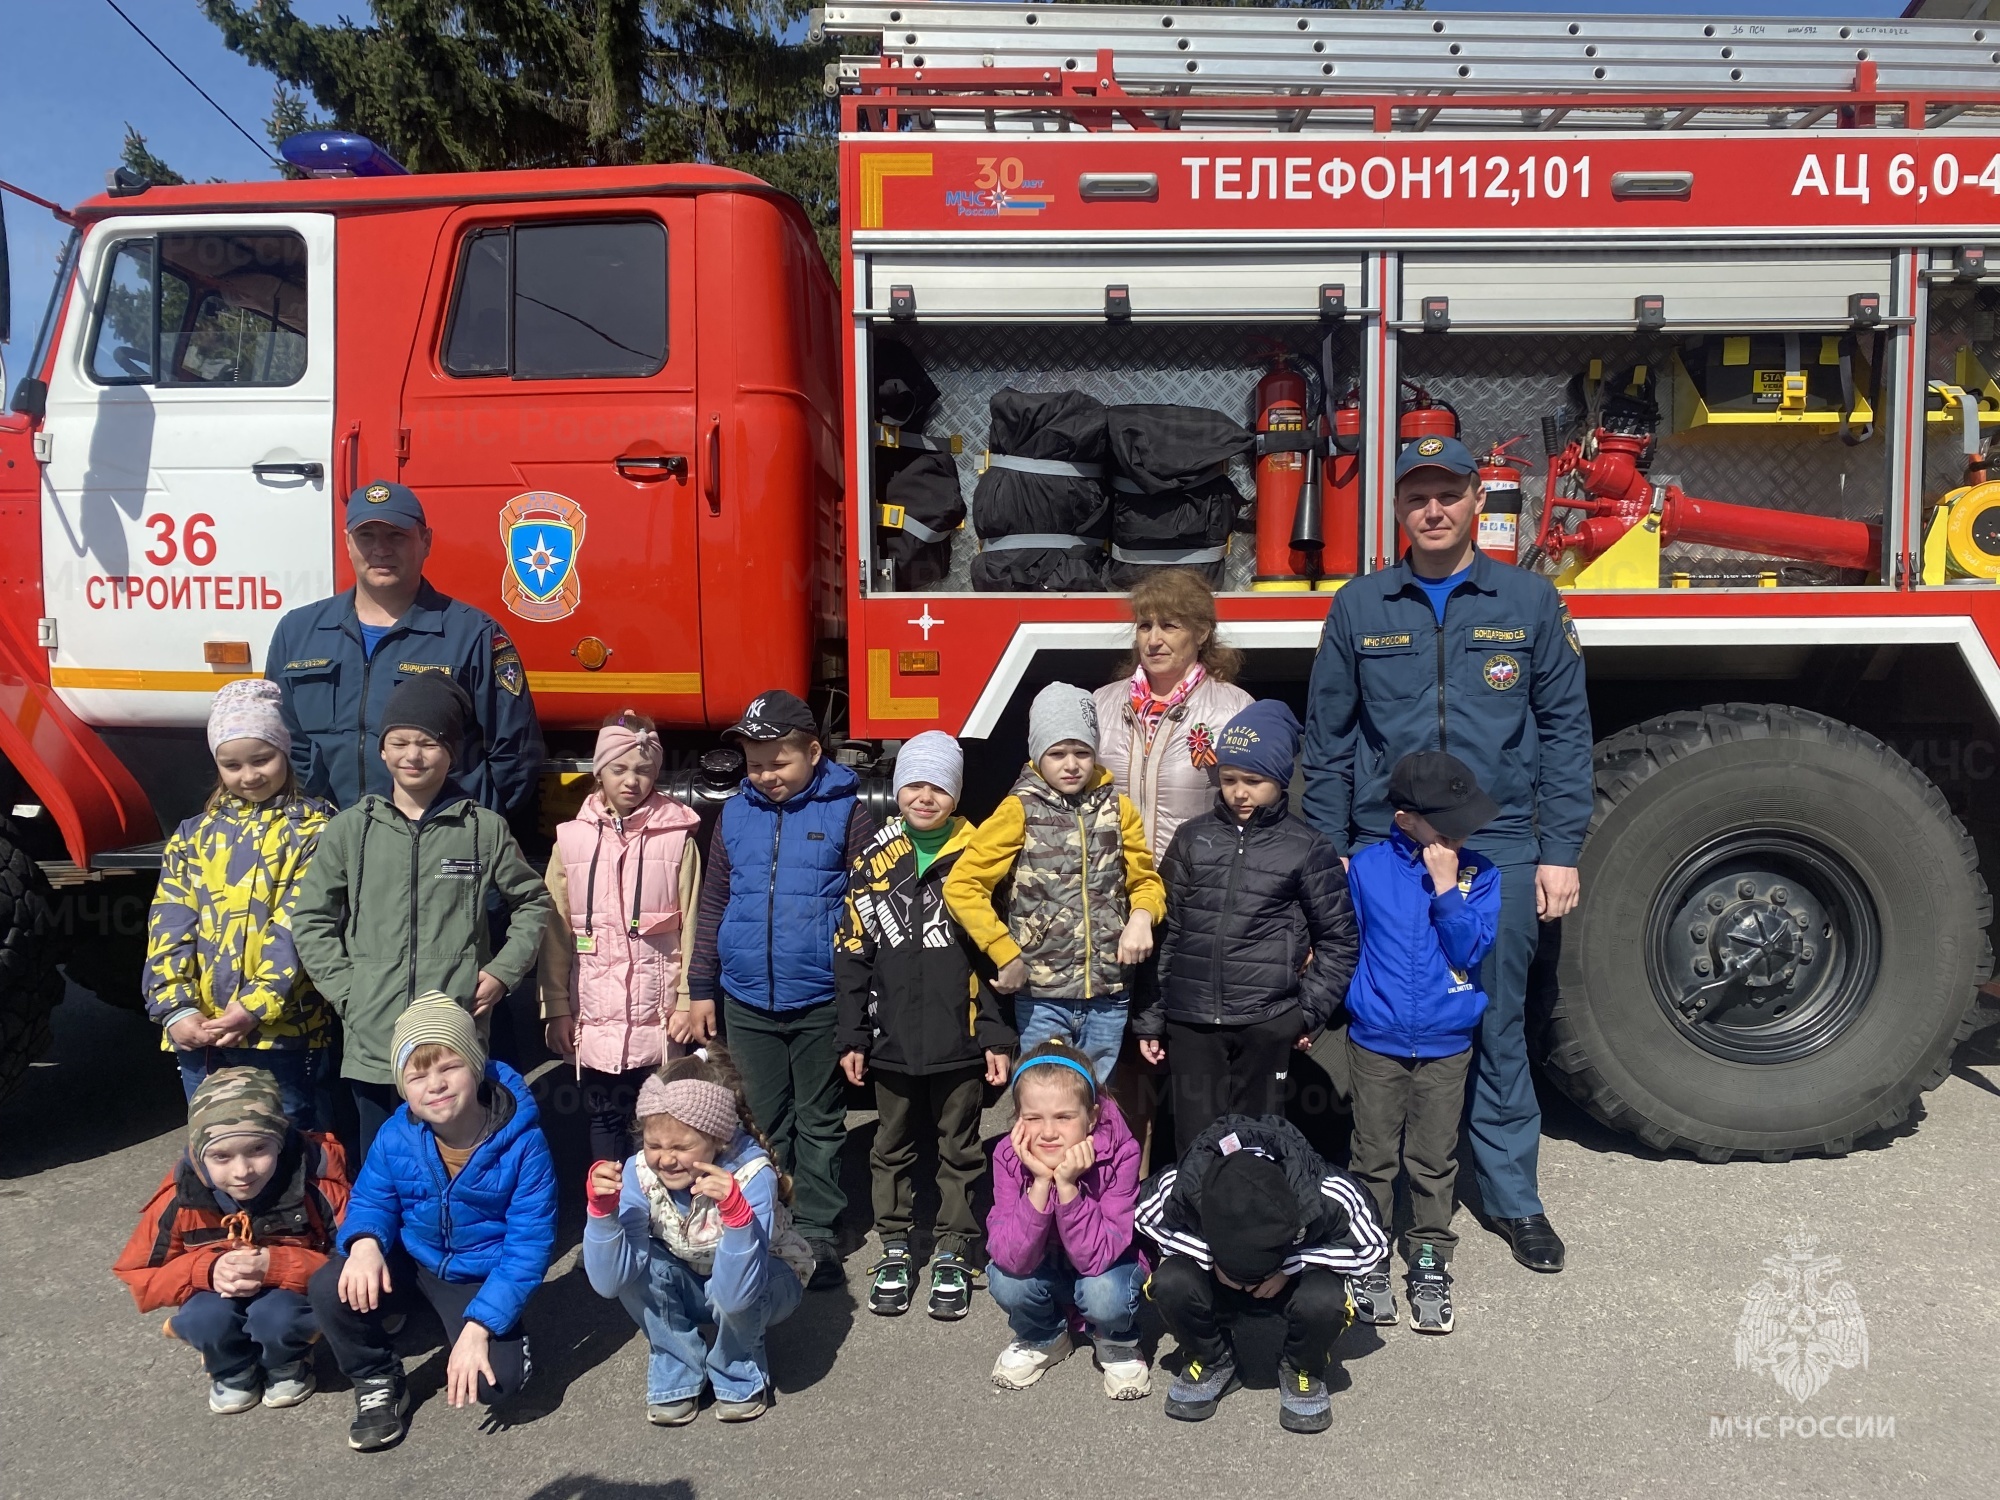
(1969,262)
(1333,301)
(1649,311)
(903,303)
(1437,314)
(1118,304)
(1864,309)
(6,282)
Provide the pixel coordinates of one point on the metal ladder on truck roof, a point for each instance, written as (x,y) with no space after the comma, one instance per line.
(1473,69)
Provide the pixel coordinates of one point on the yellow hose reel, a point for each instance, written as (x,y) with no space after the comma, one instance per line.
(1964,537)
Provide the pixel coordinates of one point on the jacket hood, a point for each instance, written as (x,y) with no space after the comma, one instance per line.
(446,804)
(505,1093)
(1269,1136)
(1032,781)
(233,809)
(830,781)
(659,813)
(287,1184)
(1263,817)
(959,832)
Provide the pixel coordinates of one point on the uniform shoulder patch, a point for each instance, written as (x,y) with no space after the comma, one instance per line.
(1569,629)
(507,668)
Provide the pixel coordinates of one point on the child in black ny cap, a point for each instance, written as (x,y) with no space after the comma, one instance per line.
(1428,907)
(1251,1216)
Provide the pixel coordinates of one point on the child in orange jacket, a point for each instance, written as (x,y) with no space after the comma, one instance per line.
(231,1237)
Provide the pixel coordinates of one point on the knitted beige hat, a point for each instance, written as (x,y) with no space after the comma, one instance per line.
(436,1017)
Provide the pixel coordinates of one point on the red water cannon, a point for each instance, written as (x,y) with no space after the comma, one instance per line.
(1609,490)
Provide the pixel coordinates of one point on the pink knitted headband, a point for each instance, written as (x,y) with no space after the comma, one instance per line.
(697,1104)
(616,741)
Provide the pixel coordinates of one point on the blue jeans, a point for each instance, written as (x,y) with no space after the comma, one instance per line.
(1037,1304)
(239,1334)
(1503,1119)
(297,1069)
(672,1303)
(1094,1027)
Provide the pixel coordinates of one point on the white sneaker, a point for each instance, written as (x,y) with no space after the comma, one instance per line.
(288,1385)
(1127,1376)
(1021,1363)
(227,1400)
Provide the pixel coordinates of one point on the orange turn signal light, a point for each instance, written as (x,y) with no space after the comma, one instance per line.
(591,653)
(226,653)
(917,663)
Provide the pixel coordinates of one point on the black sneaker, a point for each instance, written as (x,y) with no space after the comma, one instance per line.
(1374,1298)
(828,1271)
(890,1294)
(951,1288)
(381,1413)
(1430,1293)
(1303,1404)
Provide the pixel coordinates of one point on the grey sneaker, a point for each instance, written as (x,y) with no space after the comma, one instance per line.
(672,1413)
(1374,1298)
(1127,1377)
(1430,1293)
(1022,1363)
(288,1385)
(226,1400)
(742,1411)
(1303,1404)
(1199,1389)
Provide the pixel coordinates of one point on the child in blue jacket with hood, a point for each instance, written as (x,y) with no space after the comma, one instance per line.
(456,1203)
(695,1228)
(1428,907)
(774,893)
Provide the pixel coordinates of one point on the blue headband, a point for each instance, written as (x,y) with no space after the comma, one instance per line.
(1059,1061)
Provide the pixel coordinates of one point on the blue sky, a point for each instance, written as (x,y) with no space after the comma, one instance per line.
(73,75)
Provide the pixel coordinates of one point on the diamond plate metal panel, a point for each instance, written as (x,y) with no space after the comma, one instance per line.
(1186,364)
(1962,317)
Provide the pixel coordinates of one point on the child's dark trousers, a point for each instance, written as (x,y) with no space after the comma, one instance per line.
(361,1344)
(1406,1115)
(1199,1312)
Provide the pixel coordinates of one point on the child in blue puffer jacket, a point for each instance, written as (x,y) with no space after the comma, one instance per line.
(1428,908)
(456,1203)
(695,1229)
(773,895)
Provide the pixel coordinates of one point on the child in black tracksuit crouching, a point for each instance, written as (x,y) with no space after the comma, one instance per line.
(1251,1216)
(1260,935)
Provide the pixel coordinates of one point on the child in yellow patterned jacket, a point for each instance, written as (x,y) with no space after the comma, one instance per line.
(223,978)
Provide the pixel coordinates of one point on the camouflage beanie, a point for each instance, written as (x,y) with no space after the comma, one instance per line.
(232,1102)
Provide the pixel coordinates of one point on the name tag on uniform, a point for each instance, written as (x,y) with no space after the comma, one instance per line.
(1380,642)
(585,943)
(458,869)
(1506,635)
(418,668)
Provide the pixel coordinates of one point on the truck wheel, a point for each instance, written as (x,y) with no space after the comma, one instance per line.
(1781,938)
(30,985)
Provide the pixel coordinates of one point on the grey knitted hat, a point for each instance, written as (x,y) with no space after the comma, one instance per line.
(1061,711)
(933,757)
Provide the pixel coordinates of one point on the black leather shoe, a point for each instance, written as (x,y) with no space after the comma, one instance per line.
(1536,1243)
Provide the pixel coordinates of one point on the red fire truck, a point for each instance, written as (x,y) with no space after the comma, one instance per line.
(1122,288)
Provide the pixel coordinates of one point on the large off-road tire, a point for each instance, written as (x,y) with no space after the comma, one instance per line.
(30,985)
(1815,871)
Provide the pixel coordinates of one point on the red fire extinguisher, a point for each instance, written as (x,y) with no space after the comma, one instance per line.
(1422,415)
(1285,463)
(1499,533)
(1342,557)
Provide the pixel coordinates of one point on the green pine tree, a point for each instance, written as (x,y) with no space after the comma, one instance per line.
(138,158)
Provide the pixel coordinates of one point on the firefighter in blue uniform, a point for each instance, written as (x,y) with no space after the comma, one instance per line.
(1450,650)
(337,660)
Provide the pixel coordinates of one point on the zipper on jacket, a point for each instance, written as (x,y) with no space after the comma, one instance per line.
(1089,960)
(1440,641)
(771,914)
(361,734)
(444,1181)
(1228,907)
(416,842)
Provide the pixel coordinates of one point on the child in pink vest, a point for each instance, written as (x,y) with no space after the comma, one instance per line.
(626,878)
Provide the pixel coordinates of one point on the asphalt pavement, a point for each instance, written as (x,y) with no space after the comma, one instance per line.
(1633,1373)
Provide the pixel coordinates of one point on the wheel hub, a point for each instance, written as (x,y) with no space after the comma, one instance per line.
(1761,947)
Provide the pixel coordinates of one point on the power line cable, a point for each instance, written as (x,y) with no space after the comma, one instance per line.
(261,149)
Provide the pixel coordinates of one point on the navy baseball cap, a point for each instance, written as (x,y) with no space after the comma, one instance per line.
(1434,452)
(397,504)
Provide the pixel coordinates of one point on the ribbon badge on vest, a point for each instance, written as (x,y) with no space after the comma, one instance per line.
(543,533)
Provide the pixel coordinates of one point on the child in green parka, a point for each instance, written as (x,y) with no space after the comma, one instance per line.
(394,903)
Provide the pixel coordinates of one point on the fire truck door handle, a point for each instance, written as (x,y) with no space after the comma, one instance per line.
(350,456)
(311,471)
(711,478)
(650,466)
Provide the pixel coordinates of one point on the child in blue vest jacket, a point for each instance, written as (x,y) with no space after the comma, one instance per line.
(1428,907)
(456,1204)
(773,896)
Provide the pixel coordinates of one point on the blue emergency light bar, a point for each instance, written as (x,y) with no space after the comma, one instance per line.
(335,153)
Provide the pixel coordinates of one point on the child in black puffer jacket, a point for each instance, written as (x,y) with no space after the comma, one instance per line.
(1260,941)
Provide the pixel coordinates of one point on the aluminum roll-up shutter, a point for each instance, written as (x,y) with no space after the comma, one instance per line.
(1720,289)
(1071,285)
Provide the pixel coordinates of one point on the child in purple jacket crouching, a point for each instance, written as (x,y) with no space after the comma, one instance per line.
(1065,1183)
